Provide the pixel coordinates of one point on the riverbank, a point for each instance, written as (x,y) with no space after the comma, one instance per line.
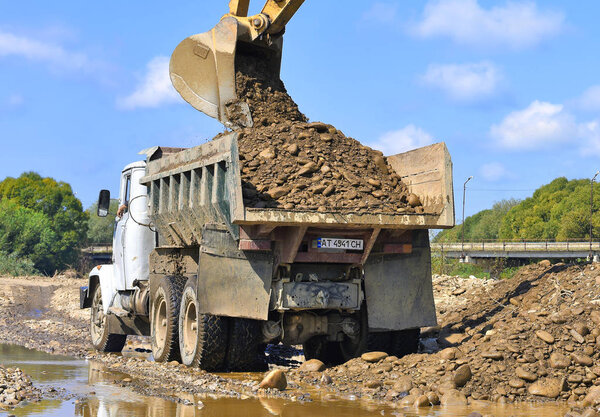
(532,338)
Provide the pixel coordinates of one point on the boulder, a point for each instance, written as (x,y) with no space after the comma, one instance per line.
(547,387)
(312,365)
(275,379)
(462,375)
(373,357)
(454,397)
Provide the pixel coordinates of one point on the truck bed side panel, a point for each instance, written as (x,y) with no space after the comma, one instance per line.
(398,288)
(231,282)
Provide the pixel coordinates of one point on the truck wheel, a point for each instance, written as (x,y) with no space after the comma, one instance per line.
(202,337)
(245,351)
(164,319)
(102,339)
(405,342)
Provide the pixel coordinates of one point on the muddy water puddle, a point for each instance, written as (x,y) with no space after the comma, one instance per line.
(88,389)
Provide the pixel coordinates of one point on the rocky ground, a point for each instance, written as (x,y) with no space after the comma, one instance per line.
(535,337)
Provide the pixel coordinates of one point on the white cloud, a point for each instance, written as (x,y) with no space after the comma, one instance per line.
(466,82)
(154,90)
(514,24)
(493,171)
(382,12)
(402,140)
(590,99)
(590,133)
(541,124)
(36,50)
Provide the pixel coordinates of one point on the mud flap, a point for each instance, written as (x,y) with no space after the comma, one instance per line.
(232,282)
(398,287)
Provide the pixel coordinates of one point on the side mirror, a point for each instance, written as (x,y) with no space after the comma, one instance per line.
(103,203)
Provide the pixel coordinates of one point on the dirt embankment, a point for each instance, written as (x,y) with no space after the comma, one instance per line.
(289,163)
(535,337)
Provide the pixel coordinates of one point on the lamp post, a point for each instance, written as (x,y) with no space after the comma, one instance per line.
(462,256)
(592,212)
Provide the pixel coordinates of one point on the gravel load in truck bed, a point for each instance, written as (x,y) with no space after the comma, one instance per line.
(289,163)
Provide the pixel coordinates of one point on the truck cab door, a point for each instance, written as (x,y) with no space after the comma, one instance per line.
(120,231)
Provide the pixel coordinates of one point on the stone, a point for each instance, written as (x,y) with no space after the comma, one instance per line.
(277,192)
(373,357)
(421,401)
(413,200)
(475,414)
(448,353)
(576,336)
(497,356)
(462,375)
(408,400)
(293,149)
(516,383)
(308,169)
(545,336)
(326,379)
(454,397)
(545,263)
(275,379)
(582,359)
(403,384)
(526,375)
(268,153)
(593,397)
(595,316)
(547,387)
(373,384)
(312,365)
(590,412)
(581,328)
(559,361)
(434,399)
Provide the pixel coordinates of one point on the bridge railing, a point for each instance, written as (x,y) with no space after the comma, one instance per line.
(519,245)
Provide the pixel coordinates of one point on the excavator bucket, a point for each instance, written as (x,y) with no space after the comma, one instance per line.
(202,70)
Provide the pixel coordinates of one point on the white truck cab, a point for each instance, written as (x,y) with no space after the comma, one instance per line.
(121,288)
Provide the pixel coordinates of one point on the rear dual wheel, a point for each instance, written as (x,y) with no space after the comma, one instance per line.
(164,319)
(202,337)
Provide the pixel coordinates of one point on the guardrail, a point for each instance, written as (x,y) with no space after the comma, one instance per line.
(519,249)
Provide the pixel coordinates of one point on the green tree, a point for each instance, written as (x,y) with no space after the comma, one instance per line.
(484,225)
(100,229)
(41,220)
(559,210)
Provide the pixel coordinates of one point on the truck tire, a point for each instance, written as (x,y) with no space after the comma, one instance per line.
(245,351)
(164,319)
(102,339)
(202,337)
(405,342)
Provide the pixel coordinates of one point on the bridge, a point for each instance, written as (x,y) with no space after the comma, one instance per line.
(518,249)
(98,253)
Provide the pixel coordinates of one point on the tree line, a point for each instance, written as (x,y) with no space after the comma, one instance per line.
(43,225)
(558,211)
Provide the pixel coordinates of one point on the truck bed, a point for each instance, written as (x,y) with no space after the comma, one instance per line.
(189,188)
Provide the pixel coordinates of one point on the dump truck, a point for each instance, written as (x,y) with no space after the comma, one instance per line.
(212,280)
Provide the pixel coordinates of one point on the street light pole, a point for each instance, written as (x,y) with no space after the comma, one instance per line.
(592,212)
(462,256)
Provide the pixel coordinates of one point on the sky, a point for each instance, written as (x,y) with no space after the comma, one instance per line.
(513,88)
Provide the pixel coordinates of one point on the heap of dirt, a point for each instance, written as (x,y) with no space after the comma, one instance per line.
(533,337)
(15,387)
(289,163)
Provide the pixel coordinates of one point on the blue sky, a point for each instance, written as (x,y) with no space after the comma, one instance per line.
(513,88)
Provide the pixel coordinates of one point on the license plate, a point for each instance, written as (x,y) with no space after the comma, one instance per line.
(335,243)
